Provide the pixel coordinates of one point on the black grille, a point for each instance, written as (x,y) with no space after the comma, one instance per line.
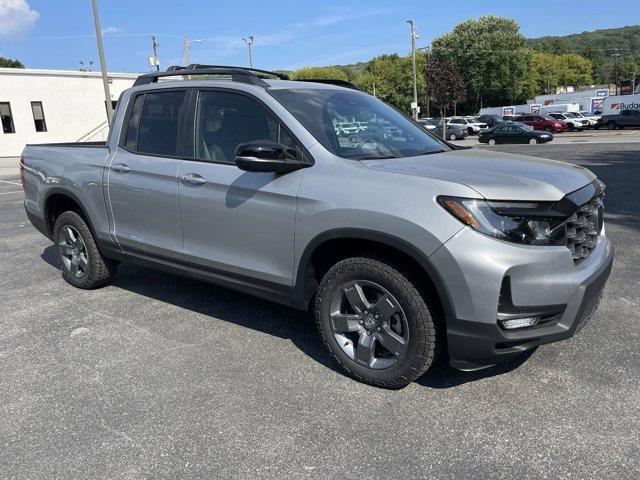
(583,228)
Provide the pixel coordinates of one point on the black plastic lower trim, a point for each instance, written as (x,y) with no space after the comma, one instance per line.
(476,345)
(274,292)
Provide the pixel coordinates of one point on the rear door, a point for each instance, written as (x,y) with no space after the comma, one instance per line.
(238,225)
(142,176)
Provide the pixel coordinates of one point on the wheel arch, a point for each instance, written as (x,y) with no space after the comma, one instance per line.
(57,201)
(343,242)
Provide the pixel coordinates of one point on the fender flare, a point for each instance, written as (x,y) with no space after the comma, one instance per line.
(301,298)
(71,195)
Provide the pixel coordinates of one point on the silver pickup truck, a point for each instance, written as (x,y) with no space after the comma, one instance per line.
(403,246)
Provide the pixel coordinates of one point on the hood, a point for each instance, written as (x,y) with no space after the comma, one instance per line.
(495,176)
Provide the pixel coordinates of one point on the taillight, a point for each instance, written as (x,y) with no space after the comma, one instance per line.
(22,179)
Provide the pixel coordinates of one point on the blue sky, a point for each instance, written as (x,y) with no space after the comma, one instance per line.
(288,34)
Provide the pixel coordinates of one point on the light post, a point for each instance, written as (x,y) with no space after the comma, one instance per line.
(414,105)
(185,48)
(103,62)
(249,42)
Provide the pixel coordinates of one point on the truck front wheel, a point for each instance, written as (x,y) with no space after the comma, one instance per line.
(375,322)
(80,260)
(611,125)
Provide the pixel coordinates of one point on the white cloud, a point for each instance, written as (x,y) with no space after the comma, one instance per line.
(111,30)
(16,17)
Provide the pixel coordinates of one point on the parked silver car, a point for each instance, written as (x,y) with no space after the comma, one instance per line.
(401,245)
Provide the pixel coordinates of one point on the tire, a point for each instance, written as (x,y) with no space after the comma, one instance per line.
(413,314)
(452,137)
(492,141)
(470,131)
(571,127)
(548,129)
(611,125)
(533,141)
(91,270)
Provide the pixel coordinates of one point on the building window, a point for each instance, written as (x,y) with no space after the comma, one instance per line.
(38,117)
(7,118)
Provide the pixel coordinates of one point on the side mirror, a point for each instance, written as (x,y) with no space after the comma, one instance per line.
(264,156)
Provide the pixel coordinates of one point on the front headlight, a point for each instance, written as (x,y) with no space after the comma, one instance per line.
(518,222)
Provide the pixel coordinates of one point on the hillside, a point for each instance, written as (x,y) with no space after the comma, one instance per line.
(624,39)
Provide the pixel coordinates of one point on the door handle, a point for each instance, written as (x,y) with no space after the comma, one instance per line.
(193,179)
(120,167)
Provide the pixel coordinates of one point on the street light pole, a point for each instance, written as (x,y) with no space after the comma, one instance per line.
(414,105)
(103,63)
(249,42)
(185,48)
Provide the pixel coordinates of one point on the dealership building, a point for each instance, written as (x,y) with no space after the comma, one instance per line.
(46,106)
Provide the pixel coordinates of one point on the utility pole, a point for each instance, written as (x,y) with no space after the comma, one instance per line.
(185,48)
(374,89)
(414,104)
(249,42)
(103,62)
(154,46)
(616,55)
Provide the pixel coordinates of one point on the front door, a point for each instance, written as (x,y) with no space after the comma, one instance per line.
(238,226)
(143,177)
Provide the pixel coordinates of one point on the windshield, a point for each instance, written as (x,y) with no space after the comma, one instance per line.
(388,133)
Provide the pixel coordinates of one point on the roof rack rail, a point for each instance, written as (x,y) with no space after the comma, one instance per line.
(251,76)
(340,83)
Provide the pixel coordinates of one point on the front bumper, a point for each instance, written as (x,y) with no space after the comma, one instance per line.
(473,268)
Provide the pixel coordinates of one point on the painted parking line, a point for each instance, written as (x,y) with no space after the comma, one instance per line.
(7,193)
(12,183)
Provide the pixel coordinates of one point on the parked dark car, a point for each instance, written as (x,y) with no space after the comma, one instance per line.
(543,122)
(514,132)
(490,120)
(452,131)
(626,118)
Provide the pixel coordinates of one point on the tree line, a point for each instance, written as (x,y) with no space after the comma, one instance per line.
(481,62)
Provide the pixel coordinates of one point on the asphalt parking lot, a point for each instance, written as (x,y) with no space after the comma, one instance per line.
(158,376)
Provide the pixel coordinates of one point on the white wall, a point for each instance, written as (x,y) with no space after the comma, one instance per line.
(73,104)
(566,97)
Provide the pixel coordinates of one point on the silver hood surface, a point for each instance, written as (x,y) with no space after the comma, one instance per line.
(494,175)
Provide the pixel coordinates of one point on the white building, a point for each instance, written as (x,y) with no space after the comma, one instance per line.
(47,106)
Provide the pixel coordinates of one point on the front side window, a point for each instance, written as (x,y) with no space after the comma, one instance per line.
(386,133)
(225,120)
(156,132)
(38,117)
(7,118)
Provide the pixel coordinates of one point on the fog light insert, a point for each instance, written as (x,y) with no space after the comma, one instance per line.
(519,322)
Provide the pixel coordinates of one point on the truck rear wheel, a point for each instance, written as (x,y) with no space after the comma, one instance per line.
(80,260)
(375,322)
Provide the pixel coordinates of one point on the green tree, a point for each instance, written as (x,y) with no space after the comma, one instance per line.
(10,63)
(319,73)
(492,56)
(392,76)
(574,70)
(551,71)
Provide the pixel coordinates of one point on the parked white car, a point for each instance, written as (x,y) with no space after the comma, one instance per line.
(593,119)
(573,122)
(470,124)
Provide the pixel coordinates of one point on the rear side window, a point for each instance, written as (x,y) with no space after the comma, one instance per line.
(7,118)
(153,124)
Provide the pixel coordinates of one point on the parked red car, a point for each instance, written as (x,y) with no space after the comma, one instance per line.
(543,122)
